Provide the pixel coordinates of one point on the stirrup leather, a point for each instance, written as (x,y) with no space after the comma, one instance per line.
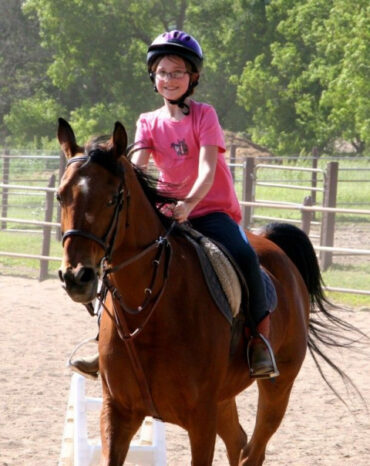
(275,372)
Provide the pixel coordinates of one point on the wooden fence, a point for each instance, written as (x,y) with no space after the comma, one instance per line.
(46,225)
(329,190)
(307,209)
(250,169)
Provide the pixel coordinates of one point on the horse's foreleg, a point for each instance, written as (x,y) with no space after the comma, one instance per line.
(272,403)
(229,429)
(117,429)
(202,434)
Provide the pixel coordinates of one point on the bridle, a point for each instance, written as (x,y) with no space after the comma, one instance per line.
(164,250)
(108,239)
(107,244)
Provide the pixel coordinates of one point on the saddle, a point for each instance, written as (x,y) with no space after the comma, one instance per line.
(223,276)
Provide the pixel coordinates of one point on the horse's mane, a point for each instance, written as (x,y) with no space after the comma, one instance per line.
(99,151)
(156,197)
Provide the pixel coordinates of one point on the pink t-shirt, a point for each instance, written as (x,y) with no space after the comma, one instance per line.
(175,149)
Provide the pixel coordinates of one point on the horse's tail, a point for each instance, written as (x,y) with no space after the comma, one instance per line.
(325,328)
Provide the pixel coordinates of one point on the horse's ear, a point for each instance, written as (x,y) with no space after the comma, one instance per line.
(67,139)
(119,139)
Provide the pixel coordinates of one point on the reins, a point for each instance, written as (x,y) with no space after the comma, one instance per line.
(163,246)
(119,319)
(164,252)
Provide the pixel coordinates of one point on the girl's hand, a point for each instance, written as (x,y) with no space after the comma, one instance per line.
(182,211)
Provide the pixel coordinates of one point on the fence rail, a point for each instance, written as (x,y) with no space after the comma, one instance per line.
(27,188)
(250,179)
(47,224)
(303,207)
(30,222)
(30,256)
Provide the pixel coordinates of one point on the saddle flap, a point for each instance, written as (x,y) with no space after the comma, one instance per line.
(224,279)
(219,273)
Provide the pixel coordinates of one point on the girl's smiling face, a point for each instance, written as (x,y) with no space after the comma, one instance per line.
(170,87)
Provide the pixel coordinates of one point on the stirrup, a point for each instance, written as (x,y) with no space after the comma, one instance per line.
(275,371)
(73,366)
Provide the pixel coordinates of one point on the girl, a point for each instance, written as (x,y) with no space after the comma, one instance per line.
(186,142)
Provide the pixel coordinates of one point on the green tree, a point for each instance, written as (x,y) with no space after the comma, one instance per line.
(237,35)
(347,73)
(292,74)
(99,52)
(22,60)
(31,121)
(299,88)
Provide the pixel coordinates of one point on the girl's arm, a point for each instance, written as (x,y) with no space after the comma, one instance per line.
(206,174)
(140,158)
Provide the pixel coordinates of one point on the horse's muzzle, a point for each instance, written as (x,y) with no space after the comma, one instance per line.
(81,283)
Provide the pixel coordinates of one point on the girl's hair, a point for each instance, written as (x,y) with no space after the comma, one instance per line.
(188,65)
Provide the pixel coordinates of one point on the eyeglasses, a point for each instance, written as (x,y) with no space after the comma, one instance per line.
(162,75)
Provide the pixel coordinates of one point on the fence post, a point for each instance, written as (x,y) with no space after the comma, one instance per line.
(328,218)
(45,250)
(232,160)
(306,215)
(315,158)
(5,192)
(248,190)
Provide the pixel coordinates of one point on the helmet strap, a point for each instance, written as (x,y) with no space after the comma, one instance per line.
(181,103)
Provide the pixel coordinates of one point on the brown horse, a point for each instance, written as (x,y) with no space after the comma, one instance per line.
(165,349)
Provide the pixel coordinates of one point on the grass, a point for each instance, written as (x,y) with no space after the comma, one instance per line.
(352,277)
(27,243)
(354,195)
(352,272)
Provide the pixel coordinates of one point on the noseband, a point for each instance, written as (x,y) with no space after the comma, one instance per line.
(113,226)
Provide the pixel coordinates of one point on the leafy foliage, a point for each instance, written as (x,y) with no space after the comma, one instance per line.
(33,119)
(308,86)
(292,74)
(22,59)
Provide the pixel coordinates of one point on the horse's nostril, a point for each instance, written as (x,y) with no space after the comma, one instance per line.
(86,275)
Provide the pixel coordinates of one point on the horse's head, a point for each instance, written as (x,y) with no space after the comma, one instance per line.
(91,195)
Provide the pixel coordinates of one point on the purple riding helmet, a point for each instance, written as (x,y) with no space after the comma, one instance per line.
(183,45)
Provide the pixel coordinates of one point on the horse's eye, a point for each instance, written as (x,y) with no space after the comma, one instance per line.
(58,198)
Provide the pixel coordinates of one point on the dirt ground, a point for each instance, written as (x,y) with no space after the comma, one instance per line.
(40,325)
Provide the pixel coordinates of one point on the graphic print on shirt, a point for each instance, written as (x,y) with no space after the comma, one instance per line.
(180,147)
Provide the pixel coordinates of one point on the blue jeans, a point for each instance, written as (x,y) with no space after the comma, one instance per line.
(223,229)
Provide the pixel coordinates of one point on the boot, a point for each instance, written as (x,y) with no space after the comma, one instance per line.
(86,366)
(260,355)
